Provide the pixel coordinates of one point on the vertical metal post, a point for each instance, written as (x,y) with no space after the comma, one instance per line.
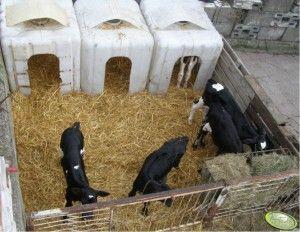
(212,211)
(29,223)
(111,218)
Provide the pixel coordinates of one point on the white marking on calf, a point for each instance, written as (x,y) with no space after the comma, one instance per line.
(61,152)
(193,62)
(263,145)
(218,87)
(195,107)
(181,72)
(207,127)
(82,151)
(91,196)
(76,167)
(66,171)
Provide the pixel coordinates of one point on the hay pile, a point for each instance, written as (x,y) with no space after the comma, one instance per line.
(229,167)
(272,163)
(120,131)
(225,167)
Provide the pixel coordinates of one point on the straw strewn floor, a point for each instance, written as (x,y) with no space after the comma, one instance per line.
(120,131)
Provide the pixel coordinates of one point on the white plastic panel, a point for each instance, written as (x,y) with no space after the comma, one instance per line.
(26,39)
(35,9)
(187,10)
(100,42)
(175,41)
(112,9)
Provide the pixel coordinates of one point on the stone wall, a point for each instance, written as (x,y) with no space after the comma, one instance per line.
(263,24)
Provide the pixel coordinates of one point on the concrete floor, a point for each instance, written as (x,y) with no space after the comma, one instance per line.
(279,76)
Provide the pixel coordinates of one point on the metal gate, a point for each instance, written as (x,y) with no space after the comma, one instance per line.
(192,207)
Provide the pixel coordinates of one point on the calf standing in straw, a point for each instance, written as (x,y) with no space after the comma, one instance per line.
(192,61)
(153,174)
(78,189)
(256,139)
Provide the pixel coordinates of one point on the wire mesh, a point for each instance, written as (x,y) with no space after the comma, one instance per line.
(279,193)
(191,207)
(188,209)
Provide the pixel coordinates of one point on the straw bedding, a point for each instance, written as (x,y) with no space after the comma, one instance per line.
(120,131)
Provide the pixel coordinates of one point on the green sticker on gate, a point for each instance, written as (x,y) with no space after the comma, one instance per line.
(281,220)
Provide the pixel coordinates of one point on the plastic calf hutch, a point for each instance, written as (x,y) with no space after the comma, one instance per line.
(184,29)
(113,28)
(33,27)
(196,205)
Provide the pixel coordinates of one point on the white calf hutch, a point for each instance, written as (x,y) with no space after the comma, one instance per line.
(34,27)
(112,28)
(183,29)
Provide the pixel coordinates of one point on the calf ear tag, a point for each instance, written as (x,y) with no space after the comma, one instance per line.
(218,87)
(76,167)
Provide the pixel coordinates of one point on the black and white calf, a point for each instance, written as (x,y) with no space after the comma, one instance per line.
(153,174)
(78,189)
(246,132)
(224,133)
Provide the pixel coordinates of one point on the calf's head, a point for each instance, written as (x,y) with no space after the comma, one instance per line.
(177,148)
(88,196)
(261,141)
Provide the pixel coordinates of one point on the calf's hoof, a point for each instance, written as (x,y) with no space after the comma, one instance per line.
(87,216)
(65,219)
(195,147)
(144,213)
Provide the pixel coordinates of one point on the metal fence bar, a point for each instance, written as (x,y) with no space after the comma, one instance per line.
(126,201)
(191,206)
(111,217)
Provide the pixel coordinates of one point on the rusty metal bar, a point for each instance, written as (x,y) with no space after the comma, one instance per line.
(127,201)
(266,178)
(195,205)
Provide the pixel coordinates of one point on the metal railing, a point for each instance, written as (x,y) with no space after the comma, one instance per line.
(192,208)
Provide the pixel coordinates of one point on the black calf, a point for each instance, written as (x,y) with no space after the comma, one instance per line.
(153,174)
(78,189)
(246,132)
(223,130)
